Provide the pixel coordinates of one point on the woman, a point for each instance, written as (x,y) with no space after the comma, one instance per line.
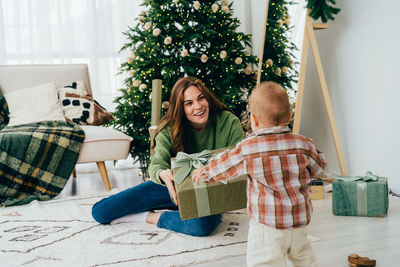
(195,121)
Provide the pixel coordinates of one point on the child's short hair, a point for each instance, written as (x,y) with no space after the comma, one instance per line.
(269,102)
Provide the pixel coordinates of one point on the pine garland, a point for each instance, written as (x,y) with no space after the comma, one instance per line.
(322,9)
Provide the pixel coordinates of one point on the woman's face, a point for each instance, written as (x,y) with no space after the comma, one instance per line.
(196,108)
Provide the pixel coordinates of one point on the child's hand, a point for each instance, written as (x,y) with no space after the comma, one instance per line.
(199,174)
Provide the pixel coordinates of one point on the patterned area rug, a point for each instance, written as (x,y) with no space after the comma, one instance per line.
(62,233)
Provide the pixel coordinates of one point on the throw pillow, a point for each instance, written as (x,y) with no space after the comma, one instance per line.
(80,107)
(34,104)
(3,111)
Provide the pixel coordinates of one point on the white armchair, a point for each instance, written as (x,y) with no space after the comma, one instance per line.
(101,144)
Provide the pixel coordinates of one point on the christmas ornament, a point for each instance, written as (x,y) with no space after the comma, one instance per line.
(142,87)
(184,53)
(238,60)
(167,40)
(278,71)
(196,5)
(203,58)
(165,105)
(280,22)
(248,70)
(269,62)
(225,9)
(284,69)
(156,32)
(141,18)
(136,83)
(223,54)
(224,2)
(148,25)
(143,13)
(214,8)
(132,72)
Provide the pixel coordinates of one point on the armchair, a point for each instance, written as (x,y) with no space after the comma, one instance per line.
(101,144)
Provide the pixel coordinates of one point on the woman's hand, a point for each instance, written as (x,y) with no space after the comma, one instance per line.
(167,177)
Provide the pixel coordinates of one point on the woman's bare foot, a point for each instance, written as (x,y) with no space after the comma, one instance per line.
(153,217)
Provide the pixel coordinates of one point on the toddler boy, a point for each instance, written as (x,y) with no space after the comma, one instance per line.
(279,166)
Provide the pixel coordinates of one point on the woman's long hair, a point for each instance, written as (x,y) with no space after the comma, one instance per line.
(175,117)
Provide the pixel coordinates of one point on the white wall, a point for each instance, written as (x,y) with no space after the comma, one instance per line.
(360,57)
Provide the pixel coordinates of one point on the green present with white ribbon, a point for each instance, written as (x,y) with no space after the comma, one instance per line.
(360,195)
(206,198)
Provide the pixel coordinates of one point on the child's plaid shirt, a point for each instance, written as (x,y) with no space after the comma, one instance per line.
(279,165)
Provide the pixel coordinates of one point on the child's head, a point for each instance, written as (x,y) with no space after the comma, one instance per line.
(269,106)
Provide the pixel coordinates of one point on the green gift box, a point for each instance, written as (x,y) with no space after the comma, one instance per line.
(207,198)
(360,196)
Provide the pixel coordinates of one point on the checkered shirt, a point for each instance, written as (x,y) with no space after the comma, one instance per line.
(279,165)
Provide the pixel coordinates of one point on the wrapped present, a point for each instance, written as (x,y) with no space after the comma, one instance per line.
(360,196)
(206,198)
(317,188)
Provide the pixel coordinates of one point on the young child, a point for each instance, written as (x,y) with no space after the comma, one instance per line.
(279,165)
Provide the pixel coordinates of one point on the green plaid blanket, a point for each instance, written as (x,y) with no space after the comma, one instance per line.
(36,160)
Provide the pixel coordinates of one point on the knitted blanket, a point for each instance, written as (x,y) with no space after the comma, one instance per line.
(36,160)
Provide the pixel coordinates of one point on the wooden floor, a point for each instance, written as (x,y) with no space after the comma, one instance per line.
(377,238)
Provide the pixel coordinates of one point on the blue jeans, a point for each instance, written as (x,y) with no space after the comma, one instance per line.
(150,196)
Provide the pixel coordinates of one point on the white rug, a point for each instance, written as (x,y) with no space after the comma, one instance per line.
(63,233)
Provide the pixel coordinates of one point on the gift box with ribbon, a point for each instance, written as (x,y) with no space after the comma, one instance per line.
(317,188)
(360,195)
(206,198)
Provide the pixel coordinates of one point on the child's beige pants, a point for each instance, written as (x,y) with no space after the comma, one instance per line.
(267,246)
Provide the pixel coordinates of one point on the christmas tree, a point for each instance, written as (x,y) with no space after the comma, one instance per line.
(176,38)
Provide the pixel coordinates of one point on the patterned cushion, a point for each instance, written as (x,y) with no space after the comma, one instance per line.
(80,107)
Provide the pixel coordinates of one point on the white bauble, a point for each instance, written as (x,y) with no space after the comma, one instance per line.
(148,25)
(196,5)
(223,54)
(214,8)
(238,60)
(167,40)
(156,32)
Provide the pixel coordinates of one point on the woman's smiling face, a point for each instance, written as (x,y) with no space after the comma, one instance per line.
(196,108)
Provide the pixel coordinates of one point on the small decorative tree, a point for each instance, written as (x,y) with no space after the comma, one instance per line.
(278,63)
(278,58)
